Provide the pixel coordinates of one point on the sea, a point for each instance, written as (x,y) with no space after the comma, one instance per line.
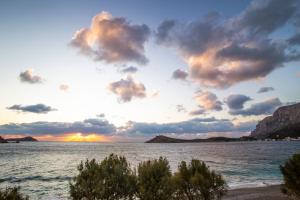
(43,170)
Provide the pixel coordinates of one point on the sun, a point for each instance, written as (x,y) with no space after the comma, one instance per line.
(76,137)
(79,137)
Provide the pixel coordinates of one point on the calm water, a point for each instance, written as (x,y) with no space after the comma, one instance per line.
(44,169)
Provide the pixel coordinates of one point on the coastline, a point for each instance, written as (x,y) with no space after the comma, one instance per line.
(257,193)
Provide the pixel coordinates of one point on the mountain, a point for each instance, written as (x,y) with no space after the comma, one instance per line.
(285,122)
(165,139)
(24,139)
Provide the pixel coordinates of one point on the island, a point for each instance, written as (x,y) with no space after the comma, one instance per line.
(165,139)
(17,140)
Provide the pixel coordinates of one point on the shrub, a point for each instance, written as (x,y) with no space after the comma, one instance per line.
(155,180)
(291,176)
(111,179)
(197,182)
(12,194)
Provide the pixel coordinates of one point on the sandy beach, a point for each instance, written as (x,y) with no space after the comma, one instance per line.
(259,193)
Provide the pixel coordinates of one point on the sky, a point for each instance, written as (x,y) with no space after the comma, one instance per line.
(111,71)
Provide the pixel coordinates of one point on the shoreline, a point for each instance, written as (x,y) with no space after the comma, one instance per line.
(257,193)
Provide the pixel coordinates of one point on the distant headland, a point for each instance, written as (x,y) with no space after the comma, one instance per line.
(17,140)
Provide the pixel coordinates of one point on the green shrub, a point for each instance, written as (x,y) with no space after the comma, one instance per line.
(12,194)
(291,176)
(197,182)
(112,179)
(155,180)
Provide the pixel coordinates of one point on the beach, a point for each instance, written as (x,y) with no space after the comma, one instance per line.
(259,193)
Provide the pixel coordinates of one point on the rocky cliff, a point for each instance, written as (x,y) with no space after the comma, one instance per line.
(285,122)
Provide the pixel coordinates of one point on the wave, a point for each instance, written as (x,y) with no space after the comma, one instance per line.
(13,179)
(253,184)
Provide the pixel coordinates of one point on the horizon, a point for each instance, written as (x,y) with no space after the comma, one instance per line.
(100,72)
(92,138)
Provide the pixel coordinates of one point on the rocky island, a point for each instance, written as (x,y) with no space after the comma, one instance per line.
(165,139)
(17,140)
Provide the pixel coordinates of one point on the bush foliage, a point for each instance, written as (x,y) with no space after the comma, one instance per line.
(155,180)
(12,194)
(113,179)
(291,176)
(196,182)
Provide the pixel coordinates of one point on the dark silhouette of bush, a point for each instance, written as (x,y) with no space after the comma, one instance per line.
(112,179)
(291,176)
(155,180)
(12,194)
(197,182)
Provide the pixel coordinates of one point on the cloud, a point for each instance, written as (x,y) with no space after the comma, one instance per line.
(210,119)
(221,53)
(263,17)
(126,89)
(101,115)
(265,89)
(208,101)
(37,108)
(100,126)
(28,77)
(97,126)
(129,70)
(193,126)
(295,39)
(64,87)
(236,101)
(199,111)
(154,93)
(112,39)
(266,107)
(180,108)
(179,74)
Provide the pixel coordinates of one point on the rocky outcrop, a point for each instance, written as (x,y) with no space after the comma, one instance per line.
(285,122)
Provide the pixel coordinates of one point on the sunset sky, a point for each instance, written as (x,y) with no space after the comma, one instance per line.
(111,70)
